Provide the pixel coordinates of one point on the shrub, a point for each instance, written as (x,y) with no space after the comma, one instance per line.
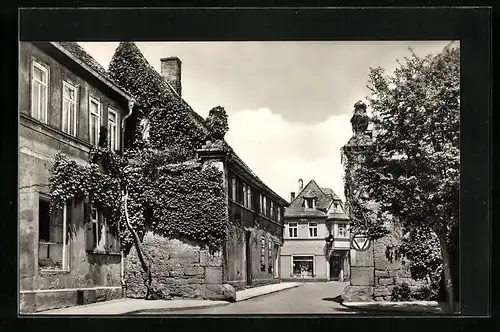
(401,292)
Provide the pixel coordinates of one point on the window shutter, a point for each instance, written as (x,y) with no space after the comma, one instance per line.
(89,238)
(109,239)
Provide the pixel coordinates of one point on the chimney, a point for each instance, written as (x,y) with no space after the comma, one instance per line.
(292,196)
(171,72)
(301,185)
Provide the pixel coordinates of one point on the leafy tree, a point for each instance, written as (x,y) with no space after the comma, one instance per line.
(412,168)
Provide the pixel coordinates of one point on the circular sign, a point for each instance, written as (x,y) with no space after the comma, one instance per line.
(360,242)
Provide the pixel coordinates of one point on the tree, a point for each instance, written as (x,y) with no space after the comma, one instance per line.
(412,168)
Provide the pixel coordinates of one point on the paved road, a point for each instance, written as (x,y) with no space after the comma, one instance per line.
(309,298)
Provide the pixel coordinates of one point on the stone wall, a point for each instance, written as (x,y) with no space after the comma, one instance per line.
(179,269)
(390,270)
(375,272)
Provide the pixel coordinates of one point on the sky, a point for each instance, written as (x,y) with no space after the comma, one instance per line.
(289,103)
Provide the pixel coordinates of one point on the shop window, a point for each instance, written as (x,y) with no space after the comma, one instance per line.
(303,266)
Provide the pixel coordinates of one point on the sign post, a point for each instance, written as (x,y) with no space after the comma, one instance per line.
(360,242)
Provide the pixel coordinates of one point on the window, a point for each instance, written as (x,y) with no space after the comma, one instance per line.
(292,229)
(261,204)
(271,210)
(249,197)
(309,203)
(264,200)
(279,214)
(95,120)
(144,125)
(98,230)
(303,266)
(39,91)
(341,230)
(69,109)
(270,256)
(53,246)
(313,229)
(233,188)
(113,135)
(263,255)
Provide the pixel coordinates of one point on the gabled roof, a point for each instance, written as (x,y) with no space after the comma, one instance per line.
(76,53)
(324,198)
(201,123)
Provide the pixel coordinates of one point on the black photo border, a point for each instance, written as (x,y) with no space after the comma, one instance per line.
(471,26)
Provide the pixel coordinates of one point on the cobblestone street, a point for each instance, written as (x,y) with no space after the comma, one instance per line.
(309,298)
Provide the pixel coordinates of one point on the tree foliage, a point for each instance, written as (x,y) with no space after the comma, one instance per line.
(412,168)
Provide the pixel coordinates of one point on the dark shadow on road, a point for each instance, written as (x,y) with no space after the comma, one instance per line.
(337,299)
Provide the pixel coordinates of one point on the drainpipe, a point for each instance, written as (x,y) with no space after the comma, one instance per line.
(131,103)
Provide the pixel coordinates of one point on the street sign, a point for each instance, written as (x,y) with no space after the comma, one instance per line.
(360,242)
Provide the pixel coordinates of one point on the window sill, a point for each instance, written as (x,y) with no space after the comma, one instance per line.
(101,252)
(42,271)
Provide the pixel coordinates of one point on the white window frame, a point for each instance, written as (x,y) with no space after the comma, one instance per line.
(98,115)
(264,200)
(245,197)
(113,141)
(313,203)
(312,226)
(313,260)
(249,197)
(65,245)
(72,102)
(295,227)
(36,106)
(101,239)
(344,226)
(233,188)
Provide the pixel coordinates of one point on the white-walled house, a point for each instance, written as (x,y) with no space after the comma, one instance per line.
(313,215)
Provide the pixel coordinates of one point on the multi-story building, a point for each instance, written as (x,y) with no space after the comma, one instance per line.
(66,257)
(250,255)
(313,217)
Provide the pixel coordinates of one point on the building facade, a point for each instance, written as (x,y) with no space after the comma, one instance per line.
(249,256)
(66,257)
(316,238)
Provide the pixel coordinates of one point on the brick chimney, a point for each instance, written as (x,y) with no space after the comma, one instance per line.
(292,196)
(171,72)
(301,185)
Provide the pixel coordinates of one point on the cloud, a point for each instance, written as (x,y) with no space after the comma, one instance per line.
(281,151)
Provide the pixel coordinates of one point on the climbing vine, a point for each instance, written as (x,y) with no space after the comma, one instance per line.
(171,120)
(156,184)
(363,213)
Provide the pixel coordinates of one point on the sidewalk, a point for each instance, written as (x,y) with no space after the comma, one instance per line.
(425,307)
(130,306)
(263,290)
(133,306)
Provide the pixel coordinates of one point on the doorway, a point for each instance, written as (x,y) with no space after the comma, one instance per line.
(248,255)
(335,266)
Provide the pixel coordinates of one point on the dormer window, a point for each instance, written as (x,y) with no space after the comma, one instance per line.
(309,203)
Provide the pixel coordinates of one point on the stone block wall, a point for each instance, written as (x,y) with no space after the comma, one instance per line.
(389,269)
(375,272)
(179,269)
